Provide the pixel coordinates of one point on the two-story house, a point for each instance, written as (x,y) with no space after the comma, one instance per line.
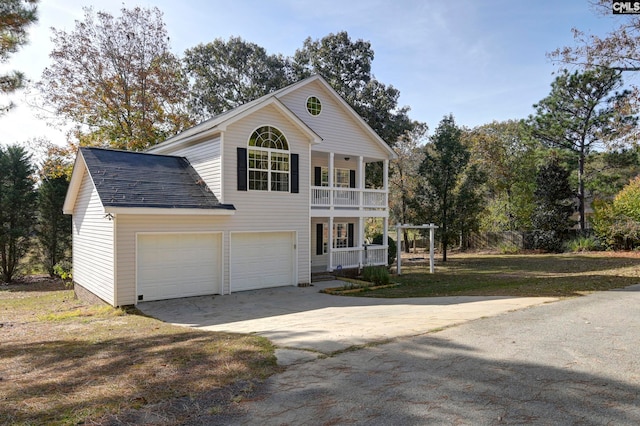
(257,197)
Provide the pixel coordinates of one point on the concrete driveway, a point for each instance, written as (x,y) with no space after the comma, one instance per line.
(305,324)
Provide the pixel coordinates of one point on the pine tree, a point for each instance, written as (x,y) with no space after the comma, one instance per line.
(551,217)
(17,208)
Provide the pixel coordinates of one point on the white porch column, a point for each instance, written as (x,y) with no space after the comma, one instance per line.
(361,239)
(330,177)
(331,172)
(385,233)
(360,183)
(385,220)
(385,175)
(330,243)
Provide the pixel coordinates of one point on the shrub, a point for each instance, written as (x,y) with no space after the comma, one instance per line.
(617,223)
(508,248)
(548,240)
(379,275)
(63,269)
(391,251)
(584,244)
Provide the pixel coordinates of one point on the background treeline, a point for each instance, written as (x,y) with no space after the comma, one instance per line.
(34,233)
(571,164)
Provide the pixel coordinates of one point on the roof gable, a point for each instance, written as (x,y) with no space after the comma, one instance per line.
(126,179)
(220,122)
(345,107)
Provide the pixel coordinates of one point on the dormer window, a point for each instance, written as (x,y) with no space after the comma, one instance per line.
(314,107)
(268,158)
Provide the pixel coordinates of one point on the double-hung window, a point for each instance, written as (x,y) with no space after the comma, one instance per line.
(343,236)
(341,177)
(268,158)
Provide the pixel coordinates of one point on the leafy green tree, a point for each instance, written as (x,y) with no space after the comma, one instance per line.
(117,80)
(443,167)
(227,74)
(404,178)
(469,203)
(554,207)
(506,154)
(607,172)
(230,73)
(53,227)
(617,222)
(15,17)
(581,114)
(17,207)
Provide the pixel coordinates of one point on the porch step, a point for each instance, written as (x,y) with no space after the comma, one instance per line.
(322,276)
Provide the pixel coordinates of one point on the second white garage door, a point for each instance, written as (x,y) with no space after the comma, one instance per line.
(178,265)
(262,260)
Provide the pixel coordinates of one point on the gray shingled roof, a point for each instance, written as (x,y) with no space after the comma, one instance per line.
(135,179)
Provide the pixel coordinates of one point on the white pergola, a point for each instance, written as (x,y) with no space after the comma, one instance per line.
(431,227)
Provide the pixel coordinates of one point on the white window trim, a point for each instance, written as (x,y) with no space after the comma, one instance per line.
(345,238)
(306,104)
(324,177)
(269,170)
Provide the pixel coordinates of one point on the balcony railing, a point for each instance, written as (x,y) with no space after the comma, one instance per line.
(348,197)
(351,257)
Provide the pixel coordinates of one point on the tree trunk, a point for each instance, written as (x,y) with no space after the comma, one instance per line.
(445,240)
(405,234)
(581,208)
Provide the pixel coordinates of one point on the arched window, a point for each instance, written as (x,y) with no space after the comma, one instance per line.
(268,158)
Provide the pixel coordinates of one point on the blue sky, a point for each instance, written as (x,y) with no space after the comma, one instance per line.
(479,60)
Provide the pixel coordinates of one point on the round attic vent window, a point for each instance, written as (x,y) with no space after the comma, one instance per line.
(313,105)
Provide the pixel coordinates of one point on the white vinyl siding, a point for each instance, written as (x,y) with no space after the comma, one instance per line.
(258,211)
(93,251)
(336,126)
(206,160)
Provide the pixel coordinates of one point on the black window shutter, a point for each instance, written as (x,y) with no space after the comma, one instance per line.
(352,178)
(242,169)
(295,187)
(319,242)
(350,235)
(317,176)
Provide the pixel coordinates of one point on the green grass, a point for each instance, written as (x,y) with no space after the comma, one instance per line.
(561,275)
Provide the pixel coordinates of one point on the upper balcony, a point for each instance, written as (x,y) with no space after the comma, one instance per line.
(339,184)
(349,198)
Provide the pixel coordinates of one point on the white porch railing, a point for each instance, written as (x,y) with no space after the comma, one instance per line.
(348,197)
(352,257)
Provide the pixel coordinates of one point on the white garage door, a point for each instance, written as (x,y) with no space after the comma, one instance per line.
(262,260)
(178,265)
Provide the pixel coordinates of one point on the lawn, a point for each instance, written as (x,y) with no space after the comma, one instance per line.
(562,275)
(65,362)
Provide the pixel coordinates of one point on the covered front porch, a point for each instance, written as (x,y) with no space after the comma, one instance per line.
(339,243)
(344,201)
